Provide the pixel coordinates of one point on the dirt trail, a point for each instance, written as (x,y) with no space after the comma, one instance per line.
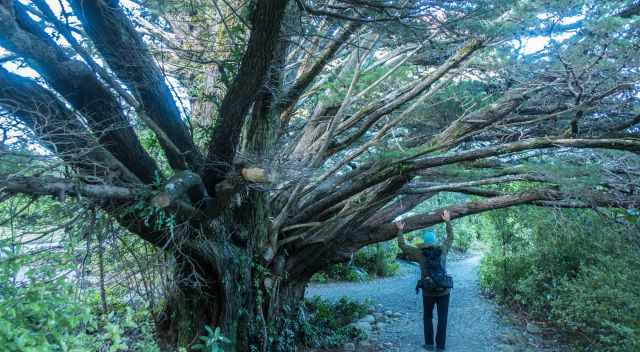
(474,324)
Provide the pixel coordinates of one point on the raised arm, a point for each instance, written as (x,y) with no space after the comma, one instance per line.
(446,246)
(410,251)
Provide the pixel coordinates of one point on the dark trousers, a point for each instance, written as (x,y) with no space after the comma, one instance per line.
(428,303)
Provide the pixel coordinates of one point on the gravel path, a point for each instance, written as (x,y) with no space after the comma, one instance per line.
(473,322)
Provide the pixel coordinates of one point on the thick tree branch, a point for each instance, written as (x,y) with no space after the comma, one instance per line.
(536,197)
(176,187)
(373,113)
(481,118)
(423,187)
(632,10)
(257,59)
(293,94)
(79,86)
(58,129)
(401,205)
(475,207)
(342,16)
(127,55)
(631,145)
(60,188)
(319,201)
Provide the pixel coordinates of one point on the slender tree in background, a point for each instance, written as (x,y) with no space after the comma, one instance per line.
(257,142)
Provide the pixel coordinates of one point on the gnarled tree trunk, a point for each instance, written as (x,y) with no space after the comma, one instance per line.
(255,306)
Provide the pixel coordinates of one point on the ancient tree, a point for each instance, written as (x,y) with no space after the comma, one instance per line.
(256,143)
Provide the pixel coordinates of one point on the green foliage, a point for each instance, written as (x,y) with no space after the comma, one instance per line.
(341,272)
(328,324)
(213,342)
(42,309)
(378,260)
(49,316)
(465,229)
(464,236)
(125,329)
(572,268)
(602,305)
(43,317)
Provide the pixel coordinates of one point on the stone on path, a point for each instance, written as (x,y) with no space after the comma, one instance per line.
(364,326)
(368,319)
(503,347)
(533,328)
(349,346)
(514,338)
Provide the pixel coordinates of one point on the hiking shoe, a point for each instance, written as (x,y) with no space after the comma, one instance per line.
(428,347)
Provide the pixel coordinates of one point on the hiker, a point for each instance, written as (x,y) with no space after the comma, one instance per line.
(434,282)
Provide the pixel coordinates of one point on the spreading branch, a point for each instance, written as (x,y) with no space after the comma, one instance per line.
(60,188)
(257,59)
(127,55)
(79,85)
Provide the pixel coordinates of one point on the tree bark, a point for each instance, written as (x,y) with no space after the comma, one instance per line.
(254,306)
(80,87)
(122,47)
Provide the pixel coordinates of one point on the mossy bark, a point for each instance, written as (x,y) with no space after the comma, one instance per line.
(256,311)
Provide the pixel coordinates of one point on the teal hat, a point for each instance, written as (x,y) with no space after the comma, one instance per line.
(429,237)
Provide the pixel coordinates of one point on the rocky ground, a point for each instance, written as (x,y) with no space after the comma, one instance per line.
(475,323)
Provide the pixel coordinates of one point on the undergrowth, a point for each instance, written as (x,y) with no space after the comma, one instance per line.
(574,270)
(329,324)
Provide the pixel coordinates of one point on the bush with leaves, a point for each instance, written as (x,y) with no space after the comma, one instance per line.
(327,324)
(38,308)
(377,260)
(214,341)
(45,306)
(44,317)
(575,269)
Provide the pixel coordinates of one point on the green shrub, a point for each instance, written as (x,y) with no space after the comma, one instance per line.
(327,324)
(44,317)
(38,309)
(340,272)
(346,272)
(43,312)
(602,305)
(320,277)
(377,260)
(571,268)
(212,342)
(464,237)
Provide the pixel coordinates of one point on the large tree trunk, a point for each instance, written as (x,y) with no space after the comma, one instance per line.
(254,308)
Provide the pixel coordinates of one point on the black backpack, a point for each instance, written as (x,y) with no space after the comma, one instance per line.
(437,278)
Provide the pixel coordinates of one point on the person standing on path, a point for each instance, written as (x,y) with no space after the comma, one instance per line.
(436,285)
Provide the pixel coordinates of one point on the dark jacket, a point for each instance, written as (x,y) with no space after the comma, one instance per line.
(415,254)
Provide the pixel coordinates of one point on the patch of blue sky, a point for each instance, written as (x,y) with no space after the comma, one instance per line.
(535,44)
